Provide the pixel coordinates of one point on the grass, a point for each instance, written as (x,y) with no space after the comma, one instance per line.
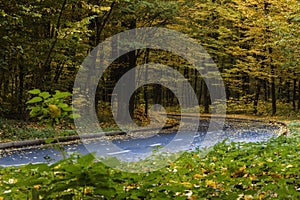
(268,170)
(12,130)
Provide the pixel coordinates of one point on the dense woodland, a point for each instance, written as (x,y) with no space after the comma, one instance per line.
(254,43)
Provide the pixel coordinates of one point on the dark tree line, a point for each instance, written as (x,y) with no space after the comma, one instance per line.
(255,45)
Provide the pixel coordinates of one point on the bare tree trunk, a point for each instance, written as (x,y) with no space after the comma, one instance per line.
(298,94)
(294,93)
(266,90)
(46,65)
(256,98)
(146,81)
(205,99)
(273,91)
(21,92)
(200,91)
(288,94)
(129,61)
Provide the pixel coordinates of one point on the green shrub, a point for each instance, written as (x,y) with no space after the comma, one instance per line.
(48,108)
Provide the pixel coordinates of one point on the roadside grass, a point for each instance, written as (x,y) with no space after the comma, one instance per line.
(268,170)
(13,130)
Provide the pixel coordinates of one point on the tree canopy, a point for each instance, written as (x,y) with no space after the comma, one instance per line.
(255,44)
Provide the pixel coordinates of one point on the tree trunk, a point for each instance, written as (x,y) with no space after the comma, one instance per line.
(146,81)
(298,94)
(205,99)
(129,62)
(288,96)
(294,93)
(21,92)
(256,98)
(266,92)
(273,94)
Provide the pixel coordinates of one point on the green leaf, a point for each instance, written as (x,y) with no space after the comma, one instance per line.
(45,95)
(67,109)
(45,111)
(35,100)
(34,111)
(62,105)
(34,91)
(59,95)
(296,19)
(74,116)
(86,160)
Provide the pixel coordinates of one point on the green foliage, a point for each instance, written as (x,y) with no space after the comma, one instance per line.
(252,42)
(268,170)
(50,108)
(12,130)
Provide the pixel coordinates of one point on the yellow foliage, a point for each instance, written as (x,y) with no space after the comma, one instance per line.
(87,190)
(54,111)
(37,187)
(197,176)
(248,197)
(211,183)
(240,172)
(242,168)
(261,196)
(289,166)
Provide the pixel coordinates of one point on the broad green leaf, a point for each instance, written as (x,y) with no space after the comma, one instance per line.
(35,100)
(34,111)
(74,116)
(62,105)
(59,95)
(34,91)
(45,95)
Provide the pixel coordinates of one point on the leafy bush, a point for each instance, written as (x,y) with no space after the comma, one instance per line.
(50,108)
(268,170)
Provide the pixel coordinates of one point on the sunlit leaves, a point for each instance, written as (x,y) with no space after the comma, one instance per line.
(50,108)
(238,171)
(35,100)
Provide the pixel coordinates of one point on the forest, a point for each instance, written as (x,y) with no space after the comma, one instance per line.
(255,45)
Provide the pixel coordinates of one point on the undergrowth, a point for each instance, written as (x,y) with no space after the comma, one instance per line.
(268,170)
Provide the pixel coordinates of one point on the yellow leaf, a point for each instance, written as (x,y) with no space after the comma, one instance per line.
(269,160)
(37,187)
(248,197)
(242,168)
(105,8)
(210,183)
(87,190)
(54,110)
(57,166)
(252,177)
(198,176)
(261,196)
(186,184)
(261,163)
